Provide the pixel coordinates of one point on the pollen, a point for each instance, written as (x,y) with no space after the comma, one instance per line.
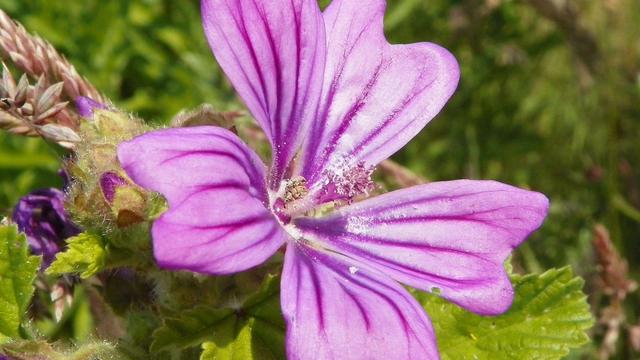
(345,181)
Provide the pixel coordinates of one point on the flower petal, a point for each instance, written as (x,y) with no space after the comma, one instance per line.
(376,96)
(273,52)
(218,221)
(454,236)
(337,308)
(86,106)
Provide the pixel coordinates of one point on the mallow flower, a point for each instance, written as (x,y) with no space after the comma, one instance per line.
(334,99)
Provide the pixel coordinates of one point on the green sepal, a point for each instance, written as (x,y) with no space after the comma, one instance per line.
(548,318)
(86,254)
(18,271)
(112,125)
(129,206)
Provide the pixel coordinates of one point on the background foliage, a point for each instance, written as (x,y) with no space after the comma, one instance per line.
(549,100)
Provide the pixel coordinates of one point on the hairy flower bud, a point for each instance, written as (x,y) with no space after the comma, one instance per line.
(42,217)
(99,190)
(128,204)
(114,124)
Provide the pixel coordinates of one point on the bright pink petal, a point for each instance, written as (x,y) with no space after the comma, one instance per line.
(218,221)
(376,96)
(336,308)
(273,52)
(454,236)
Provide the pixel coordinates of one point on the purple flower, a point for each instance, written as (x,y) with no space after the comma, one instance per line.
(334,99)
(41,216)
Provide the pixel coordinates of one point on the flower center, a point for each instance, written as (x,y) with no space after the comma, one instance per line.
(295,200)
(339,184)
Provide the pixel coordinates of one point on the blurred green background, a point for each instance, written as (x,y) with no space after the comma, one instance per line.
(549,100)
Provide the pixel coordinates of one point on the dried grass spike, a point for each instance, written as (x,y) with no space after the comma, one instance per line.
(38,58)
(34,110)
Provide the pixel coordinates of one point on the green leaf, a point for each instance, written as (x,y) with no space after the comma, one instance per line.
(254,330)
(18,270)
(258,335)
(549,317)
(239,340)
(85,254)
(191,329)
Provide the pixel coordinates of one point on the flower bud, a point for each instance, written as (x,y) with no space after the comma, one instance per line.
(42,217)
(103,157)
(114,124)
(109,182)
(127,202)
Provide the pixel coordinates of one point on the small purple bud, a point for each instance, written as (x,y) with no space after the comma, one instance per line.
(86,106)
(109,182)
(128,203)
(42,217)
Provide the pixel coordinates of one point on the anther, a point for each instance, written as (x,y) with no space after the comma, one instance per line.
(295,189)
